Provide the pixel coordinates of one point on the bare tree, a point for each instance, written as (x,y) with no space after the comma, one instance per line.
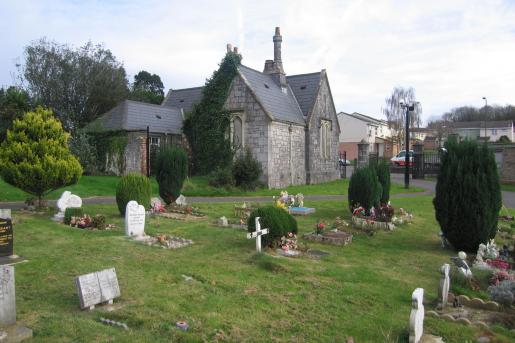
(395,113)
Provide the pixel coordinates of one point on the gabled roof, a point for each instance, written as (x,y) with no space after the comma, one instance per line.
(305,88)
(135,116)
(183,98)
(281,106)
(481,124)
(366,118)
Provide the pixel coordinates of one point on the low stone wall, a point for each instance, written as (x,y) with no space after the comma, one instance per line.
(335,238)
(363,223)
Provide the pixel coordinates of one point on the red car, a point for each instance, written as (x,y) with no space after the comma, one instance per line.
(400,159)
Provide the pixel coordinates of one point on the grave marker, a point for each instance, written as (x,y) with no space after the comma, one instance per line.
(96,288)
(7,296)
(66,200)
(443,290)
(134,219)
(416,319)
(6,234)
(257,234)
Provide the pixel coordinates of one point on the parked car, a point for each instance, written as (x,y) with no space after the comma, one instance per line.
(343,162)
(400,159)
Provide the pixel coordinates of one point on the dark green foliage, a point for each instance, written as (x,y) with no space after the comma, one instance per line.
(98,222)
(364,189)
(382,169)
(133,187)
(72,212)
(246,171)
(278,221)
(109,148)
(13,103)
(221,177)
(468,196)
(207,125)
(84,151)
(147,88)
(171,170)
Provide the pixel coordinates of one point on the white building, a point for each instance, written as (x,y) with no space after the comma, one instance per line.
(356,127)
(492,131)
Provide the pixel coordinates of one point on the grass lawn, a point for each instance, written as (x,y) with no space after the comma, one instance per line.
(362,290)
(89,186)
(509,187)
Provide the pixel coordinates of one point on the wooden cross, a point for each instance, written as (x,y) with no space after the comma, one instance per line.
(257,234)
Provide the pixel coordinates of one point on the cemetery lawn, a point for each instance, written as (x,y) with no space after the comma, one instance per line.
(362,290)
(90,186)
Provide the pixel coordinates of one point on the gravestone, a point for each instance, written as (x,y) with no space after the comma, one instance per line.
(6,233)
(443,290)
(223,221)
(66,200)
(416,319)
(7,296)
(181,200)
(134,219)
(96,288)
(257,234)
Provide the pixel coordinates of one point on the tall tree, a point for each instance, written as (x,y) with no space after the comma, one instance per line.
(13,103)
(147,88)
(78,84)
(469,113)
(396,114)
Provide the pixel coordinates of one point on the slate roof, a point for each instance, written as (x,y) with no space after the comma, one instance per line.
(305,88)
(183,98)
(366,118)
(281,106)
(481,124)
(135,116)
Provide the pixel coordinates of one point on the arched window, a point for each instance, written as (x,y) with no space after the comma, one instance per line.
(237,133)
(325,139)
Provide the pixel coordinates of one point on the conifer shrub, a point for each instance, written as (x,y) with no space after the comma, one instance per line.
(364,189)
(72,212)
(171,171)
(382,169)
(468,195)
(133,187)
(278,221)
(221,177)
(246,171)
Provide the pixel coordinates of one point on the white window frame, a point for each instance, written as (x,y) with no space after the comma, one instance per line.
(157,141)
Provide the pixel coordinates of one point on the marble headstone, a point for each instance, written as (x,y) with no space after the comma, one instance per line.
(223,221)
(134,219)
(7,296)
(416,319)
(66,200)
(443,290)
(98,287)
(181,200)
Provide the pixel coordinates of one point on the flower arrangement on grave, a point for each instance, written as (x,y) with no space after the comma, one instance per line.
(491,251)
(319,227)
(500,276)
(184,209)
(498,264)
(87,222)
(299,200)
(359,211)
(385,213)
(284,201)
(157,207)
(289,242)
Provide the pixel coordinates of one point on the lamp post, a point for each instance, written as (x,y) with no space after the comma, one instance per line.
(486,109)
(407,157)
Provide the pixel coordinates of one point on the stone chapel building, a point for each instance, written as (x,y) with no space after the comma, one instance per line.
(289,123)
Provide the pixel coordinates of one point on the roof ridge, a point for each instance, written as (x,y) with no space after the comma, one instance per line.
(305,74)
(146,103)
(257,71)
(184,89)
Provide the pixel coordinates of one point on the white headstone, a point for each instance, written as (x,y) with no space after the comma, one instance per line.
(5,213)
(181,200)
(134,219)
(7,296)
(416,319)
(223,221)
(257,234)
(66,200)
(98,287)
(443,290)
(62,203)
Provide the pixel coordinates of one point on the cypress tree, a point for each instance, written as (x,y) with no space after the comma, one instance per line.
(171,170)
(468,195)
(364,189)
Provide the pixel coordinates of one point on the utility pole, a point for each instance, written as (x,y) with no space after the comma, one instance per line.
(486,113)
(406,147)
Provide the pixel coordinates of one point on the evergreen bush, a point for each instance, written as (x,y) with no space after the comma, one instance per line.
(171,171)
(278,221)
(382,169)
(468,196)
(221,177)
(364,189)
(133,187)
(72,212)
(246,171)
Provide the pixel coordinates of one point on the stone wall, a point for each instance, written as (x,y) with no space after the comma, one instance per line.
(323,169)
(256,124)
(287,160)
(508,165)
(134,152)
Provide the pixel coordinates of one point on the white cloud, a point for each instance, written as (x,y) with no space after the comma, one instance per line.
(452,52)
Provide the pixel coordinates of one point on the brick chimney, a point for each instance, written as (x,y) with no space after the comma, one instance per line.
(274,67)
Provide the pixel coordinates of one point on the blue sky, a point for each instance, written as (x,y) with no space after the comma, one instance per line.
(452,52)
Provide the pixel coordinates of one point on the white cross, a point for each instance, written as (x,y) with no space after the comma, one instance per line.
(257,235)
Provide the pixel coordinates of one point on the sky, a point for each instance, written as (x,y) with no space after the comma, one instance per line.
(452,52)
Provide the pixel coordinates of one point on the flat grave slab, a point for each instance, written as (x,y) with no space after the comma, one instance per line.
(301,211)
(330,237)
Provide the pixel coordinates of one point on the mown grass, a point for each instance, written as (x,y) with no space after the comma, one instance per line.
(362,290)
(89,186)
